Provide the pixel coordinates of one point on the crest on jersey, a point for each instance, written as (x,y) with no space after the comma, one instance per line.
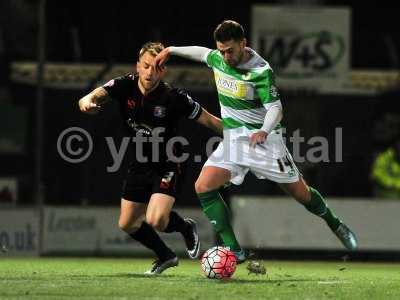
(159,111)
(131,104)
(274,91)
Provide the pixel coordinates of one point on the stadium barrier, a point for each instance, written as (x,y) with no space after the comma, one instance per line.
(281,223)
(94,231)
(260,223)
(80,231)
(19,231)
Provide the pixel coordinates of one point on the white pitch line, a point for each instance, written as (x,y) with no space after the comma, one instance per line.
(332,282)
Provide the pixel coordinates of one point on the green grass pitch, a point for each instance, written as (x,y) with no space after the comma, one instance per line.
(106,278)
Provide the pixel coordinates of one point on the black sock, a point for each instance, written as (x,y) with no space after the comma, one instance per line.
(176,223)
(149,238)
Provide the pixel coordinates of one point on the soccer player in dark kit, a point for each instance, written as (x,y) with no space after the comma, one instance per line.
(151,109)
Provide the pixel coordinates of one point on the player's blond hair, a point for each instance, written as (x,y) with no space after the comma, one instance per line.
(153,48)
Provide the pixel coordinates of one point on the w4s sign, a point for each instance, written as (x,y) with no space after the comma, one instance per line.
(307,48)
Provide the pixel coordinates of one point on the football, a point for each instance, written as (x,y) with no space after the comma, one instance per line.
(218,263)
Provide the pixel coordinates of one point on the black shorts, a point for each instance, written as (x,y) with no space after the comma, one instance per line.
(141,182)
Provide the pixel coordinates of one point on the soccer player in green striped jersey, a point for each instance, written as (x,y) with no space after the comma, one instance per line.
(251,111)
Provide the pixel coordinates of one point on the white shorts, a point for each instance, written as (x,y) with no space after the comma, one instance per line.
(270,160)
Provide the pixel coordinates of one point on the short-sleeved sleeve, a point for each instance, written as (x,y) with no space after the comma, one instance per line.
(266,88)
(119,86)
(185,106)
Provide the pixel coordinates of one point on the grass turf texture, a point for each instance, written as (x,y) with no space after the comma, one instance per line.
(105,278)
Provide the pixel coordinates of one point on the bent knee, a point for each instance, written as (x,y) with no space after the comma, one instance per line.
(157,222)
(129,226)
(202,186)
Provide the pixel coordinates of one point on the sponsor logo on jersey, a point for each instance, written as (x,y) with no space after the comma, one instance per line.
(139,127)
(234,88)
(227,84)
(159,111)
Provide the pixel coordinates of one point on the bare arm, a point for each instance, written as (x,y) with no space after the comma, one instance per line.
(91,103)
(210,121)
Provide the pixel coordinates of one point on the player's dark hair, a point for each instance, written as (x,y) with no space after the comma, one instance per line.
(153,48)
(228,30)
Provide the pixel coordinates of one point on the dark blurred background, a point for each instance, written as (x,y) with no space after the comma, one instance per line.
(110,33)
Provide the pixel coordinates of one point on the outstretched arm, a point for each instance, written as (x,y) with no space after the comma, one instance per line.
(210,121)
(91,103)
(195,53)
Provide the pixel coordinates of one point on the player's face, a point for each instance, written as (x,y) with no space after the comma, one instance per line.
(232,51)
(149,77)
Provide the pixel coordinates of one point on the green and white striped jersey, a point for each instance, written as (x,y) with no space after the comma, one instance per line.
(245,93)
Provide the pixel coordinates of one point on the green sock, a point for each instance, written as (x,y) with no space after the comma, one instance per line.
(217,212)
(318,207)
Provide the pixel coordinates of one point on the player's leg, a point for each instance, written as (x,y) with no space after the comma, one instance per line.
(131,221)
(284,172)
(131,216)
(315,203)
(210,180)
(159,210)
(166,188)
(161,216)
(137,191)
(312,201)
